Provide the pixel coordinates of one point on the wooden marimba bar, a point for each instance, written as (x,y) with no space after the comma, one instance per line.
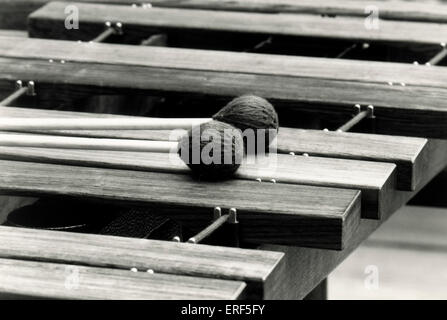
(329,189)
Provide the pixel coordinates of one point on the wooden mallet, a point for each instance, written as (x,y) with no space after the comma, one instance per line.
(217,135)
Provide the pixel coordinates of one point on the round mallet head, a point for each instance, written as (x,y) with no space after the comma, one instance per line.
(251,112)
(213,150)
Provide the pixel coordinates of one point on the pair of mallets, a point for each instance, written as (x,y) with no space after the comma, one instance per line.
(220,134)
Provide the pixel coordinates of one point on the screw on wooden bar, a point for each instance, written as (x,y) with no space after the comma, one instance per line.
(31,89)
(217,213)
(368,113)
(233,216)
(156,40)
(370,108)
(19,91)
(176,239)
(111,29)
(143,5)
(441,55)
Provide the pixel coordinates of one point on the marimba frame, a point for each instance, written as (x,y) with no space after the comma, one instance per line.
(304,259)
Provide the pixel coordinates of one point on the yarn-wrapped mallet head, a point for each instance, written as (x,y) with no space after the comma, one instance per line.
(212,150)
(251,112)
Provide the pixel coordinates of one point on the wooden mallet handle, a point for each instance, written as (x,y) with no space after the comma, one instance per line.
(22,124)
(62,142)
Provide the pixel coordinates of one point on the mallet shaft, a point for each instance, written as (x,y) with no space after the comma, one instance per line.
(21,124)
(62,142)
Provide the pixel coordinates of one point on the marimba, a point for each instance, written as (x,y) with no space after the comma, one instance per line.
(330,189)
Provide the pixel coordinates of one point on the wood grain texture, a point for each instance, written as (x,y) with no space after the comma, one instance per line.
(376,180)
(409,154)
(30,279)
(48,22)
(416,109)
(413,159)
(390,10)
(13,13)
(311,266)
(221,61)
(272,213)
(259,269)
(399,110)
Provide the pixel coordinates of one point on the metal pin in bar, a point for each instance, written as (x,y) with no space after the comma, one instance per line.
(364,46)
(20,91)
(261,44)
(346,51)
(156,40)
(205,233)
(110,30)
(356,119)
(439,57)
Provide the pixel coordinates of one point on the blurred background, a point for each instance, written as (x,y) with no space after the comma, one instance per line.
(406,258)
